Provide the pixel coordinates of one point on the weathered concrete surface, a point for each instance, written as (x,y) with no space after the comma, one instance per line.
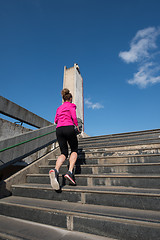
(9,170)
(9,129)
(17,148)
(10,229)
(20,177)
(119,210)
(21,151)
(15,111)
(74,82)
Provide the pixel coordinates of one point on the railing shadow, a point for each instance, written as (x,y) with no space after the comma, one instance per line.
(4,192)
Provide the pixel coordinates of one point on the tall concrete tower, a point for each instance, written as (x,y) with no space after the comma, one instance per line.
(74,82)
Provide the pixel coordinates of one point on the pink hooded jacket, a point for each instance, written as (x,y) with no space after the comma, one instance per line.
(66,115)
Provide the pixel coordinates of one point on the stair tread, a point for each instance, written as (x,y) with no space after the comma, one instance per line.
(124,199)
(107,165)
(111,137)
(10,229)
(126,146)
(98,189)
(93,211)
(113,156)
(112,175)
(121,144)
(127,134)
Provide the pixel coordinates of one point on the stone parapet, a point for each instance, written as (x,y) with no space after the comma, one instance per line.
(15,111)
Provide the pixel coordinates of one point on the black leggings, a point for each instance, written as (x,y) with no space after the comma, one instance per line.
(67,134)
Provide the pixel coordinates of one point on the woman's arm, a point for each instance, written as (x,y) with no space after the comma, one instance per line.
(73,114)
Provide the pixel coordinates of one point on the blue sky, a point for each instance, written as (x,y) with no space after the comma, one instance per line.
(116,44)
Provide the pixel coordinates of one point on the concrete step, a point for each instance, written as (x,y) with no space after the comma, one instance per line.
(117,193)
(146,199)
(124,136)
(18,229)
(130,135)
(127,180)
(119,143)
(134,168)
(121,223)
(121,150)
(143,158)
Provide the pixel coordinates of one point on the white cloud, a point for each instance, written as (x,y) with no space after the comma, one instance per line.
(143,51)
(142,43)
(147,74)
(92,105)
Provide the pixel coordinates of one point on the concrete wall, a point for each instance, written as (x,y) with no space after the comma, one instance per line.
(74,82)
(9,170)
(15,111)
(79,95)
(31,142)
(20,177)
(69,81)
(9,129)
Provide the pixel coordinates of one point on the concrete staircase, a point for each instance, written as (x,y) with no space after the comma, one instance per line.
(117,193)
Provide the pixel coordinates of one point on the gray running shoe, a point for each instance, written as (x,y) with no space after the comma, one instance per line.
(54,179)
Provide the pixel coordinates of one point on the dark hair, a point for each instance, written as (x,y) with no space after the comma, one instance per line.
(66,95)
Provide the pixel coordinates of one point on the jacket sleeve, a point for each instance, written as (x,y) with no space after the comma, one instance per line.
(73,114)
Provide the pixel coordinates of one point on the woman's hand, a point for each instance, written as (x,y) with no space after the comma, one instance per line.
(78,129)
